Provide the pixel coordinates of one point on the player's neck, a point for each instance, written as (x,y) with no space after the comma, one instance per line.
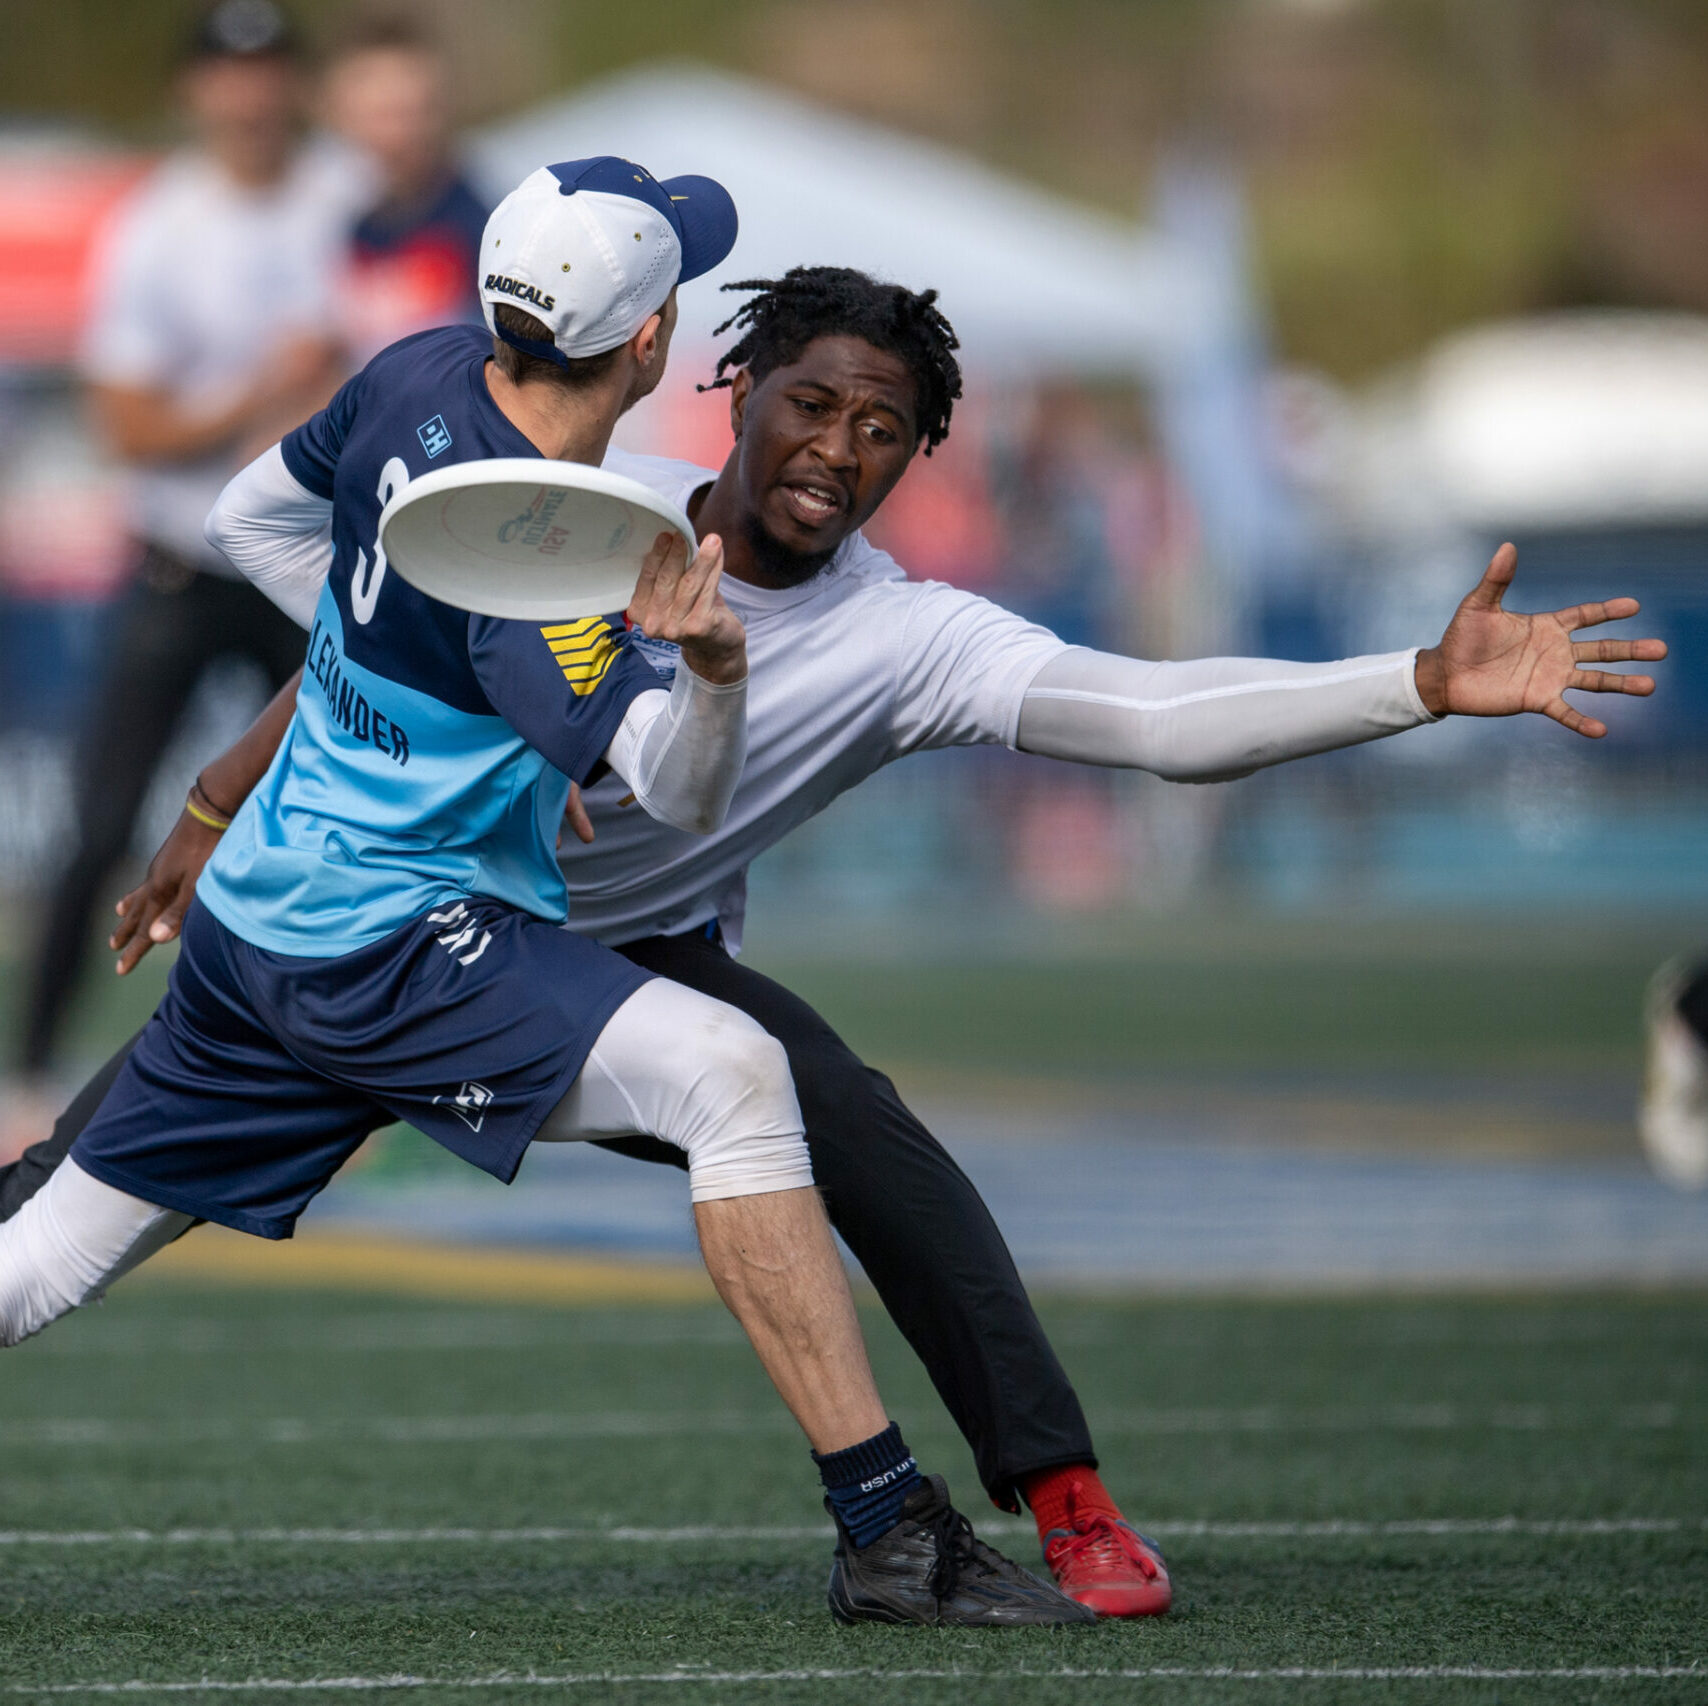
(568,426)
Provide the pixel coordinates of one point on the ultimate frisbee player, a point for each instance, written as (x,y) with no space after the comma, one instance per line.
(378,936)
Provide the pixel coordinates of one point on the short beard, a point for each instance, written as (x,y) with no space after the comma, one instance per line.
(777,562)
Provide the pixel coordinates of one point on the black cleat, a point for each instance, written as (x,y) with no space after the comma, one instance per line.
(932,1568)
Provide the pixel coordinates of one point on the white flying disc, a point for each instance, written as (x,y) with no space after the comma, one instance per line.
(529,539)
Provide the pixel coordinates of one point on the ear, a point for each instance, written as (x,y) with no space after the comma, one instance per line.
(741,387)
(644,344)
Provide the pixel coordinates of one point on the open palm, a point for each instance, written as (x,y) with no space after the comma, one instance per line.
(1495,663)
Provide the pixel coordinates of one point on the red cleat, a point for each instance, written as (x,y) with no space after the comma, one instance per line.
(1108,1565)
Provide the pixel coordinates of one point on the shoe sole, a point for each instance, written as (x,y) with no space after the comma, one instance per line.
(847,1613)
(1123,1605)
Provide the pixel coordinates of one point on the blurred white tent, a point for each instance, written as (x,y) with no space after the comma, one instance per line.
(1031,282)
(1034,284)
(1594,419)
(1577,420)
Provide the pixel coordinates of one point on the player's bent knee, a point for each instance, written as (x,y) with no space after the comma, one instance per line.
(746,1135)
(675,1064)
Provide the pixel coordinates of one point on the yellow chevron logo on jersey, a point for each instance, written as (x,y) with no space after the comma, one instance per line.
(583,650)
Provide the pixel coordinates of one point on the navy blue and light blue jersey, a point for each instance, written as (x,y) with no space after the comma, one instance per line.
(431,753)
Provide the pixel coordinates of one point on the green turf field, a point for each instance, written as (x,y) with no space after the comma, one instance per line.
(200,1486)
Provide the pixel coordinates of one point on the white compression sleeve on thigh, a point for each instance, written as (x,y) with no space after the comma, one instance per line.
(70,1241)
(675,1064)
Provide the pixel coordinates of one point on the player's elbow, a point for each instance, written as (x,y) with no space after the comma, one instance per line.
(692,816)
(220,528)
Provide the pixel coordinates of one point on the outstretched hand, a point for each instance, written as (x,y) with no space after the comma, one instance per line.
(1495,663)
(680,601)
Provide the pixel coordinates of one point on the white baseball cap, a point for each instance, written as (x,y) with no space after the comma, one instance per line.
(591,248)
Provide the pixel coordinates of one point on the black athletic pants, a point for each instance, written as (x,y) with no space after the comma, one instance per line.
(174,621)
(911,1216)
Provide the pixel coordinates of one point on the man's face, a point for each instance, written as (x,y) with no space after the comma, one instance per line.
(820,445)
(246,112)
(392,102)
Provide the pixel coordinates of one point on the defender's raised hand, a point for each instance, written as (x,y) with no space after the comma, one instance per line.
(1495,663)
(680,601)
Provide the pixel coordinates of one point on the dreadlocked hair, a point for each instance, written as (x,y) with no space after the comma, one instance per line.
(825,302)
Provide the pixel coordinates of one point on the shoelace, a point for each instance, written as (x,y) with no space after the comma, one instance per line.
(1103,1541)
(955,1544)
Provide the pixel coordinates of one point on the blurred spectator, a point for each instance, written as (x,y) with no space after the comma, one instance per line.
(208,338)
(1052,486)
(414,253)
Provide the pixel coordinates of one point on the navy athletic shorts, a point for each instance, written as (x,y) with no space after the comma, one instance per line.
(260,1073)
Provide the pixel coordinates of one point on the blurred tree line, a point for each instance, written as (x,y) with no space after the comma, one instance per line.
(1413,164)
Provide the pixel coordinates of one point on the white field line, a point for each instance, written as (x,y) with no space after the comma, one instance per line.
(1426,1527)
(433,1430)
(609,1679)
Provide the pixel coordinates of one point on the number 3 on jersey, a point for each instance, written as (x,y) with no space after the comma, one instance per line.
(366,580)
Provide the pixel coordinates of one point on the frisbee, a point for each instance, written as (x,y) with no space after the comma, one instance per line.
(524,538)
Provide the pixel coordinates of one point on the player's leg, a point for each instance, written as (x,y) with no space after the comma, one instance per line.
(228,615)
(24,1177)
(719,1091)
(207,1115)
(918,1227)
(938,1261)
(153,655)
(673,1064)
(68,1243)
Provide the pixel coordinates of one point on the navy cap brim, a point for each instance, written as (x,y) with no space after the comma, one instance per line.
(706,218)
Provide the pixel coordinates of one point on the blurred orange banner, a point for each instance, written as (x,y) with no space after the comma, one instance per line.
(52,208)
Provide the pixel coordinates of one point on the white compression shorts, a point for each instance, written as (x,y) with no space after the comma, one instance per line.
(675,1064)
(670,1063)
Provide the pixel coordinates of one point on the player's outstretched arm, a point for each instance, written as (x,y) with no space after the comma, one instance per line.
(1494,662)
(1210,719)
(154,911)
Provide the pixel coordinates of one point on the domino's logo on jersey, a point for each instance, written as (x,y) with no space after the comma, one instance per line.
(663,655)
(435,436)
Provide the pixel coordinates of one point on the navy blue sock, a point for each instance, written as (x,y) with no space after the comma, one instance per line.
(868,1482)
